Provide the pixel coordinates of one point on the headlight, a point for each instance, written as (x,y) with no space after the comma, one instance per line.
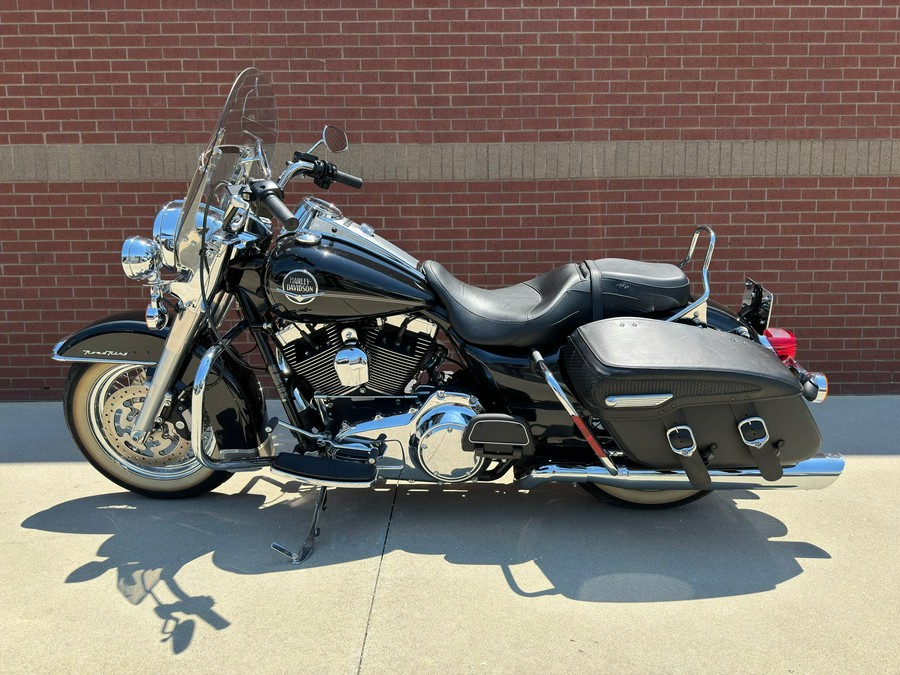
(174,244)
(165,228)
(141,258)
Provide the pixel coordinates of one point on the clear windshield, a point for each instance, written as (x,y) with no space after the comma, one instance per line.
(247,129)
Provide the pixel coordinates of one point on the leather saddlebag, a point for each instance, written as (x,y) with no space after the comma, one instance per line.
(644,378)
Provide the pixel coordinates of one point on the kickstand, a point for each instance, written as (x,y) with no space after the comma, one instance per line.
(306,551)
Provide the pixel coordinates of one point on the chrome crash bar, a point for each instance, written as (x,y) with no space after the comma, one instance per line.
(264,451)
(577,421)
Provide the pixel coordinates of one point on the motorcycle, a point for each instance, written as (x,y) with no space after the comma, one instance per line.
(605,373)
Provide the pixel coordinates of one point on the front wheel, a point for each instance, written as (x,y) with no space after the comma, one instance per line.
(643,499)
(102,402)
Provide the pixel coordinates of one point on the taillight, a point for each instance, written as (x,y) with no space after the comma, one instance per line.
(783,342)
(815,385)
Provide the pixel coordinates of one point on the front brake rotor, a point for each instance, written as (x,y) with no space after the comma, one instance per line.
(120,411)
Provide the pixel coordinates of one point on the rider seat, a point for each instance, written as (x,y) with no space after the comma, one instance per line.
(548,308)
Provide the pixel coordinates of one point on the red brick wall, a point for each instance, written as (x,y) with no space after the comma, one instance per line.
(448,71)
(131,73)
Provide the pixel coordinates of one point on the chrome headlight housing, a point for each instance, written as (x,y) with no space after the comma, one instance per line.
(165,229)
(141,258)
(179,248)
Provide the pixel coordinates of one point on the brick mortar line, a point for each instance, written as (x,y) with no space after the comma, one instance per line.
(468,162)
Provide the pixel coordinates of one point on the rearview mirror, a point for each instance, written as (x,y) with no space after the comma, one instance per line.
(335,139)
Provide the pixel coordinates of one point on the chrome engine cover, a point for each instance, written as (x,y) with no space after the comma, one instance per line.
(436,447)
(424,444)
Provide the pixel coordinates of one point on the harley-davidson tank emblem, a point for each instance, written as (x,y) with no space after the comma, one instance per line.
(300,287)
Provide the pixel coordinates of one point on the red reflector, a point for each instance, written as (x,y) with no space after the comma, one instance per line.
(589,437)
(783,342)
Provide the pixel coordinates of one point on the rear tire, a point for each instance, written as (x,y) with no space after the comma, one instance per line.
(101,403)
(643,499)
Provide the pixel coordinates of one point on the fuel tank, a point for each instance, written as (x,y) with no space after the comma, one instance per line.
(326,278)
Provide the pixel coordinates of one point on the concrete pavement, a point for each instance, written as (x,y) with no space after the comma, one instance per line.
(473,579)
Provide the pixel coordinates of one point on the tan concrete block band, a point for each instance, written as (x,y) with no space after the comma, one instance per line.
(511,161)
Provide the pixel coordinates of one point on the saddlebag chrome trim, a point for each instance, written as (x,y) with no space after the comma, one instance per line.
(815,473)
(637,400)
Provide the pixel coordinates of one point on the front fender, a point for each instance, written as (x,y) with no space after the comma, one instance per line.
(234,403)
(118,338)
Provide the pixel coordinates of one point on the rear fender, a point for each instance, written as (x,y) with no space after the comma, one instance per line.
(235,404)
(721,318)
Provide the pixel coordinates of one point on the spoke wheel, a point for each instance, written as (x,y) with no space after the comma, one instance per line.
(643,499)
(102,403)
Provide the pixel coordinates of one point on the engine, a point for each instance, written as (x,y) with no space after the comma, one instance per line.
(419,435)
(377,356)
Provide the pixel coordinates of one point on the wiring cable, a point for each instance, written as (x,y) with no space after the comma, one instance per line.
(206,299)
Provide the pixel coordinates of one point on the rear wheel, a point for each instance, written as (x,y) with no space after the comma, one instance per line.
(102,402)
(643,499)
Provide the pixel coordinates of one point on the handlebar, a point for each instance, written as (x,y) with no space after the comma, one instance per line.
(281,212)
(347,179)
(270,194)
(323,173)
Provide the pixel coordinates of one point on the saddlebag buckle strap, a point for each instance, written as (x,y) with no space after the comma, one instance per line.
(755,435)
(683,443)
(754,432)
(681,440)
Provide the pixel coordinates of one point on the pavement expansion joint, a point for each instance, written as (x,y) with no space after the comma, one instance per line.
(387,531)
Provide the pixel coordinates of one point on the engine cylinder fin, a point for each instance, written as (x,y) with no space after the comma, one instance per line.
(312,358)
(396,355)
(391,371)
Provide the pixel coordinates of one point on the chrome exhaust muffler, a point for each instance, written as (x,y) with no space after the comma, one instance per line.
(815,473)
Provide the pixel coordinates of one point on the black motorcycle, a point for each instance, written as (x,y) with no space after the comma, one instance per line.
(607,373)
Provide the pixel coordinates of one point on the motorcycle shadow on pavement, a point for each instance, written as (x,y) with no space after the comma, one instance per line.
(589,551)
(152,540)
(584,550)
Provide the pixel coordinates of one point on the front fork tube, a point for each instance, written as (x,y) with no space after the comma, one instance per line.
(180,341)
(178,345)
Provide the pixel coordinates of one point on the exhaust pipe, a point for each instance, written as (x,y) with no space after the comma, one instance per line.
(815,473)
